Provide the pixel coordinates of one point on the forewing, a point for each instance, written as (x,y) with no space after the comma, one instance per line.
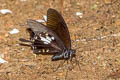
(36,27)
(56,23)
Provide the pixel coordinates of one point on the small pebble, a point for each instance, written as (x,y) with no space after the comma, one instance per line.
(41,21)
(14,31)
(5,11)
(45,18)
(79,14)
(3,61)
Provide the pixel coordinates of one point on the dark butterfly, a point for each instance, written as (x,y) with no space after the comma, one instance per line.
(51,38)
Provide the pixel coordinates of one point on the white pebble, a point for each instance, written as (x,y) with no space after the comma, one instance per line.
(3,61)
(41,21)
(5,11)
(45,18)
(79,14)
(14,31)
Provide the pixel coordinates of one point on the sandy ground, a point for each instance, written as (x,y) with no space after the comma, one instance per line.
(95,36)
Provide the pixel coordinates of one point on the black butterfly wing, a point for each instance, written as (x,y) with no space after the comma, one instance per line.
(36,27)
(56,23)
(38,46)
(43,38)
(43,49)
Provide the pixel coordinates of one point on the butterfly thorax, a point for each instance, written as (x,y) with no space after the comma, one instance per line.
(68,53)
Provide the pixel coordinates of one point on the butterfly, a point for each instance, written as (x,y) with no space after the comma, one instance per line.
(53,37)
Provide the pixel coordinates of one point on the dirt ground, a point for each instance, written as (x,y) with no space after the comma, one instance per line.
(95,36)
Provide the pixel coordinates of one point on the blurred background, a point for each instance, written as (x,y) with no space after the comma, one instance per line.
(94,27)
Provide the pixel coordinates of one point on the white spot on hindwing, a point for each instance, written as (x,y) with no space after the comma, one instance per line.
(46,38)
(33,47)
(43,50)
(39,51)
(46,34)
(46,43)
(53,38)
(47,50)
